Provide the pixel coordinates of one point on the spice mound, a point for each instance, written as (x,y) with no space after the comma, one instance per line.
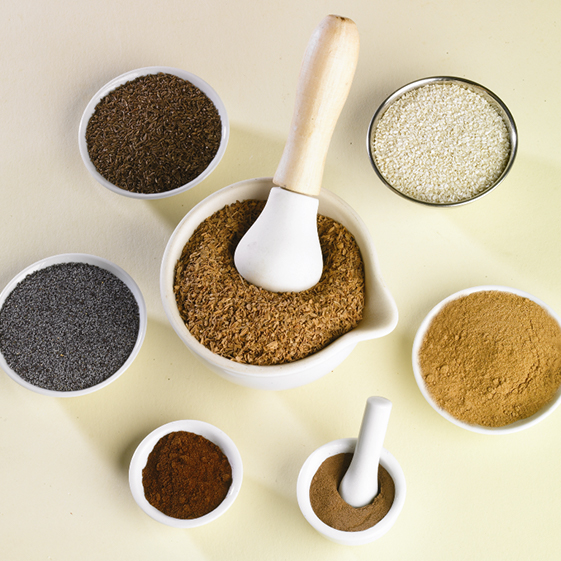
(330,507)
(441,143)
(153,134)
(492,358)
(247,324)
(68,327)
(186,475)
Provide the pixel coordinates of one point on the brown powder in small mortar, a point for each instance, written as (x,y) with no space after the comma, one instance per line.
(330,507)
(491,358)
(247,324)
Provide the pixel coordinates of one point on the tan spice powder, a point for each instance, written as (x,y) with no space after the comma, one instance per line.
(492,358)
(247,324)
(330,507)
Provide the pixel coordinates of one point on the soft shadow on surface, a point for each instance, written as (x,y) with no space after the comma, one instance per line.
(249,154)
(165,383)
(262,507)
(512,219)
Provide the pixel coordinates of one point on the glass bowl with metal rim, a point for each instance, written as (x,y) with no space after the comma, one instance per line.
(199,83)
(442,141)
(43,381)
(206,430)
(512,427)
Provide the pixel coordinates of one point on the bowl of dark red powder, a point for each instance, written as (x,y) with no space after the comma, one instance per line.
(70,324)
(488,359)
(153,132)
(186,473)
(262,339)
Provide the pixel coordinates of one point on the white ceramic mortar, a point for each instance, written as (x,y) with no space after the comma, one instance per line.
(309,469)
(380,314)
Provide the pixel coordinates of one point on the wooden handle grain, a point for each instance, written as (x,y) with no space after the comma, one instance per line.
(323,86)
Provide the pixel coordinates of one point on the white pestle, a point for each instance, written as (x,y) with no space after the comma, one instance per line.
(359,485)
(281,251)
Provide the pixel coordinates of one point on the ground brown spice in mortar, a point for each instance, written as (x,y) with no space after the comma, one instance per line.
(244,323)
(330,507)
(491,358)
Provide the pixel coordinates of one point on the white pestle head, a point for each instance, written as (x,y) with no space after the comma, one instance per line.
(281,251)
(359,485)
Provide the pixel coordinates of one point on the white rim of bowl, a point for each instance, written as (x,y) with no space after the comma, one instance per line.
(127,77)
(208,431)
(507,429)
(487,94)
(250,370)
(90,260)
(309,469)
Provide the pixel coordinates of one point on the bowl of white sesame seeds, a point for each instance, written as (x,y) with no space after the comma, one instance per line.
(442,141)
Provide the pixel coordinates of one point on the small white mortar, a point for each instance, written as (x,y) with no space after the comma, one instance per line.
(309,469)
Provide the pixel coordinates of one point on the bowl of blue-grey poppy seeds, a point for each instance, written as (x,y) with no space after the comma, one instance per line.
(70,324)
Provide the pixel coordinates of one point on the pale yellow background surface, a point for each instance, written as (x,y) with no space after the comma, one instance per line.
(64,492)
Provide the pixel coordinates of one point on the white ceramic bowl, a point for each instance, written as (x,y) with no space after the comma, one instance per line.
(210,432)
(380,315)
(91,260)
(132,75)
(309,469)
(513,427)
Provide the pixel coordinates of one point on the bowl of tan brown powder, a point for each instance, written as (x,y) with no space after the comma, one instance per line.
(258,338)
(153,132)
(488,359)
(326,511)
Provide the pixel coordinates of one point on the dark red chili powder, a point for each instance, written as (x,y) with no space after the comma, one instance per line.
(186,475)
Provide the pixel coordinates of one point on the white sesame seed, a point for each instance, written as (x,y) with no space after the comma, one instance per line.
(441,143)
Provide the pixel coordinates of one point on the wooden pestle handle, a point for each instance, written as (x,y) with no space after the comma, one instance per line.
(323,86)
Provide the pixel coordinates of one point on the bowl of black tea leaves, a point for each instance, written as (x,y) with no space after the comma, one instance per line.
(153,132)
(70,324)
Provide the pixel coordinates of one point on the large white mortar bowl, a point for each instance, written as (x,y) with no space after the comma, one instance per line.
(380,314)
